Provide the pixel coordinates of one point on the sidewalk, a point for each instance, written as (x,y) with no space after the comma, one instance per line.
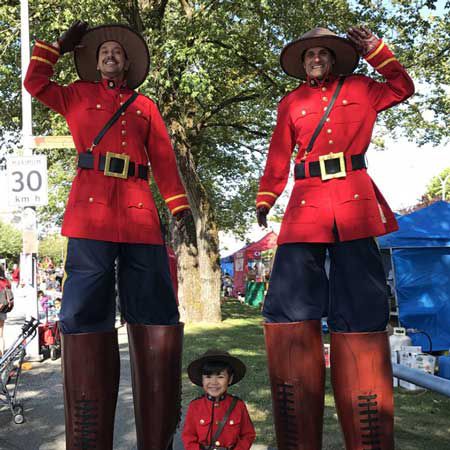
(40,391)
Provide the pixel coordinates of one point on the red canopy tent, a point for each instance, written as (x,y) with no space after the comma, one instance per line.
(249,253)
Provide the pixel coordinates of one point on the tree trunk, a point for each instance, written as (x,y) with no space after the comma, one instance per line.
(197,246)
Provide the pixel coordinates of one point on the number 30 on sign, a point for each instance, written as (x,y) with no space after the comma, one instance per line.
(27,181)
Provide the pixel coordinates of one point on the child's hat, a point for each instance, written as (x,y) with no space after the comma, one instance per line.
(194,369)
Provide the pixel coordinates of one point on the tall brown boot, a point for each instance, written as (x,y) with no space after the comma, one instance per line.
(155,355)
(91,371)
(297,377)
(361,375)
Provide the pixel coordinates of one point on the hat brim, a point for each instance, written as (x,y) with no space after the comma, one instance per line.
(194,369)
(85,54)
(346,55)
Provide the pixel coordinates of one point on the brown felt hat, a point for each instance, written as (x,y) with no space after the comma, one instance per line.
(132,42)
(194,369)
(291,58)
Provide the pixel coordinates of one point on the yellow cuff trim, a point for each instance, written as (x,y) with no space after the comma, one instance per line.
(175,197)
(268,193)
(264,204)
(179,208)
(385,62)
(375,53)
(47,47)
(38,58)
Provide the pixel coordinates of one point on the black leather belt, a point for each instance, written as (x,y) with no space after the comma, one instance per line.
(113,165)
(334,165)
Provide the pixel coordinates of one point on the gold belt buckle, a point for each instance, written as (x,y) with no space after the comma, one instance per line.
(323,171)
(126,163)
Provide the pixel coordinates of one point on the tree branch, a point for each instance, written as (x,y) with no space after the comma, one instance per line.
(253,149)
(133,16)
(431,61)
(230,101)
(247,61)
(239,127)
(187,8)
(155,10)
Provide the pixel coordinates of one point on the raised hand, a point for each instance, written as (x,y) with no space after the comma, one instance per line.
(72,37)
(261,216)
(364,40)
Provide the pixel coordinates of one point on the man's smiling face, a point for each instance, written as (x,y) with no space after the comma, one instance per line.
(112,61)
(318,62)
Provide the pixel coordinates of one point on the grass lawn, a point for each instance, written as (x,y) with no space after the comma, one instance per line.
(422,420)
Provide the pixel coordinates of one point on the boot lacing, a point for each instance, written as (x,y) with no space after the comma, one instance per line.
(286,405)
(86,424)
(370,428)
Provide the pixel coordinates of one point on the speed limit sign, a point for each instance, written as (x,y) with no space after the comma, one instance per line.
(27,180)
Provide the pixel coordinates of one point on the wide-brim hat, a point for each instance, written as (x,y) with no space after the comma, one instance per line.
(132,42)
(194,369)
(291,58)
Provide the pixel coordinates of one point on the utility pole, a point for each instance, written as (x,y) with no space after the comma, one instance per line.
(27,130)
(28,257)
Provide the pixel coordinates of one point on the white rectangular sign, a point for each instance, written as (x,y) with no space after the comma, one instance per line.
(27,180)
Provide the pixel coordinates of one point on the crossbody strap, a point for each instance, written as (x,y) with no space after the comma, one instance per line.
(224,420)
(325,116)
(111,121)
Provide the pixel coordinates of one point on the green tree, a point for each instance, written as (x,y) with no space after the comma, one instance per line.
(216,78)
(10,241)
(439,186)
(53,246)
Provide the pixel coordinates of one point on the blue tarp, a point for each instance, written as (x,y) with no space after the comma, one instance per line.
(421,261)
(427,227)
(227,265)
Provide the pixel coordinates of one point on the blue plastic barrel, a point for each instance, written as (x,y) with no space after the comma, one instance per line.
(444,367)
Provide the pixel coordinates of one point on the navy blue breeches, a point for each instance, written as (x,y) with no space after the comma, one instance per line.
(144,285)
(354,295)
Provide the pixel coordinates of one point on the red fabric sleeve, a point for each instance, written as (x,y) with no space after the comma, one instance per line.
(247,434)
(189,434)
(37,80)
(398,86)
(162,159)
(276,173)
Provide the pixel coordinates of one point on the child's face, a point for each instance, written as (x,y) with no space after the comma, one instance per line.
(216,384)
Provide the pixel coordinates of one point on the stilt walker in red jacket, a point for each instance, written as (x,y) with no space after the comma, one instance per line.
(334,207)
(111,216)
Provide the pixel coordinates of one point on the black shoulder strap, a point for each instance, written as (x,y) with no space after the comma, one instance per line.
(325,116)
(224,420)
(113,119)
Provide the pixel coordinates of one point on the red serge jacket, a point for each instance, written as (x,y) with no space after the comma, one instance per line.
(103,207)
(353,202)
(237,433)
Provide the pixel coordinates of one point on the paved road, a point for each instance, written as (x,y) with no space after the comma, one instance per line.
(40,391)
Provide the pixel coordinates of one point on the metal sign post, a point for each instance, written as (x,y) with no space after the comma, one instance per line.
(25,186)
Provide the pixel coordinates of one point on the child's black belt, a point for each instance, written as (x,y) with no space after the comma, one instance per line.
(208,447)
(113,165)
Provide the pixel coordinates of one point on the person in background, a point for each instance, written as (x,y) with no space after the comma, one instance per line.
(4,284)
(334,207)
(15,275)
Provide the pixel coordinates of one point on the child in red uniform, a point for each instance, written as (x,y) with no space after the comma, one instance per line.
(217,420)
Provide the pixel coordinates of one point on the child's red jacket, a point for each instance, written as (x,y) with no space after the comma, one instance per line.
(238,432)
